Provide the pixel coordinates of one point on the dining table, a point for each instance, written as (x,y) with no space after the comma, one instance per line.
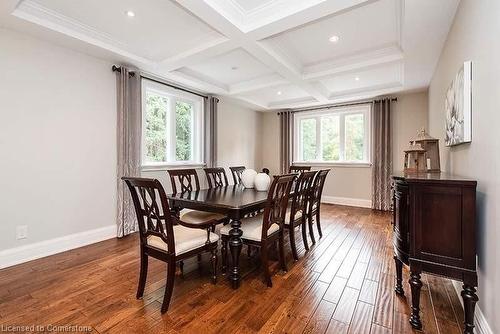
(233,201)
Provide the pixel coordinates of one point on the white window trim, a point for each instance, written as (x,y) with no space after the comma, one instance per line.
(342,112)
(173,96)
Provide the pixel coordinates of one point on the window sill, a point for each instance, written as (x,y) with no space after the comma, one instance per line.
(164,167)
(334,164)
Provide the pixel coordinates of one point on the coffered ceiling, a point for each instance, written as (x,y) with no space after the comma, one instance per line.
(269,54)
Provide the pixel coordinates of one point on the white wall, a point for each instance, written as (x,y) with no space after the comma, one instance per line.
(352,185)
(57,141)
(474,36)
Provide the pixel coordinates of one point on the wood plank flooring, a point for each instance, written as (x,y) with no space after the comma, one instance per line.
(343,284)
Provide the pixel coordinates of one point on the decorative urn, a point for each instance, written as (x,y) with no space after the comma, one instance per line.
(262,182)
(248,178)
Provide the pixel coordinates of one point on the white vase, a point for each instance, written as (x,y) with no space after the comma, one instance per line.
(247,178)
(262,182)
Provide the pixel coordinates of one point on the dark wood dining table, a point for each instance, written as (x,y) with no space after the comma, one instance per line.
(235,202)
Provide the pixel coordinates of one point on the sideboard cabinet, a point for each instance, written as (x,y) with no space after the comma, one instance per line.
(434,231)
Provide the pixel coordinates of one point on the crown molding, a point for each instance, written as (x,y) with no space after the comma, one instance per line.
(38,14)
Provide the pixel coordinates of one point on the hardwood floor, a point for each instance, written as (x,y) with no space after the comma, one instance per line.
(344,284)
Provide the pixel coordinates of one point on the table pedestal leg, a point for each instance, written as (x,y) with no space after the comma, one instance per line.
(235,245)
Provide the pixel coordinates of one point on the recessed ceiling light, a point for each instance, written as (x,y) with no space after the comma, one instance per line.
(356,78)
(278,92)
(234,68)
(130,13)
(334,39)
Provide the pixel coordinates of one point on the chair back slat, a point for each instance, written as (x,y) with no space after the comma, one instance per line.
(302,192)
(152,210)
(186,178)
(236,172)
(216,177)
(277,202)
(317,188)
(299,169)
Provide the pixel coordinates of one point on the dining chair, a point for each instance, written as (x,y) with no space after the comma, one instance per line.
(236,172)
(314,205)
(216,177)
(299,169)
(265,229)
(188,181)
(296,214)
(165,237)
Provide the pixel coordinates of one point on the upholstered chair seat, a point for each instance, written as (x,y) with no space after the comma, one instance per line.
(298,214)
(195,216)
(252,228)
(186,239)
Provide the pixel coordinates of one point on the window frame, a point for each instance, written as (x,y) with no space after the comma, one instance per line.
(197,126)
(341,112)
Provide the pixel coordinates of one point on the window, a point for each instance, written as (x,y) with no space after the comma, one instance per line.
(333,136)
(172,126)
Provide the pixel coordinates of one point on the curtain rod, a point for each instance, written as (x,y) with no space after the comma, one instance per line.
(357,103)
(115,68)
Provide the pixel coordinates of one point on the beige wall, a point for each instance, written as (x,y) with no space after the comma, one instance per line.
(239,136)
(474,36)
(409,115)
(270,148)
(352,185)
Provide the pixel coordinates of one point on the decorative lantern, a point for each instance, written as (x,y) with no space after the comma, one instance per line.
(415,158)
(431,148)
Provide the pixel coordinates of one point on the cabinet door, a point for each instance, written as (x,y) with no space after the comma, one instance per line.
(401,220)
(444,225)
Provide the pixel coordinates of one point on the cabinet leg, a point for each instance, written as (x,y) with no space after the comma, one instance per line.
(399,277)
(416,285)
(470,299)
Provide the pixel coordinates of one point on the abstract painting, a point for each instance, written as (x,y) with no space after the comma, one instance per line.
(458,106)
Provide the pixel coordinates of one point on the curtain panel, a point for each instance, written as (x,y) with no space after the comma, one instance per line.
(286,140)
(382,155)
(211,131)
(128,88)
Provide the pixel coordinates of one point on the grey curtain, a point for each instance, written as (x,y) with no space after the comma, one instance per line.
(128,87)
(382,155)
(286,140)
(211,131)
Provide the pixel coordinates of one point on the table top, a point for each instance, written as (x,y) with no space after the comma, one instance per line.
(229,197)
(437,177)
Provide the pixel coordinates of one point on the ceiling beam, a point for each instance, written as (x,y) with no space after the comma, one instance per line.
(258,50)
(320,10)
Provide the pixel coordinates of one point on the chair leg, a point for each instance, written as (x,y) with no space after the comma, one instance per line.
(199,262)
(303,227)
(224,256)
(181,267)
(213,261)
(311,231)
(265,264)
(143,274)
(318,224)
(291,233)
(281,245)
(169,287)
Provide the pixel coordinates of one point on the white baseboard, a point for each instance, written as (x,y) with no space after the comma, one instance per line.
(481,325)
(13,256)
(363,203)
